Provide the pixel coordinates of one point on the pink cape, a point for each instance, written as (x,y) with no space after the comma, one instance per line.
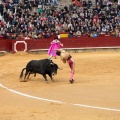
(55,44)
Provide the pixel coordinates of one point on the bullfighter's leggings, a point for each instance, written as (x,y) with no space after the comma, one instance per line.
(70,62)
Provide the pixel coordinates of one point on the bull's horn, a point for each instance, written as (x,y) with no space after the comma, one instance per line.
(60,68)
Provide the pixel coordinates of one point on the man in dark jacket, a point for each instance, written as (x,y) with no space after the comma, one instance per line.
(1,8)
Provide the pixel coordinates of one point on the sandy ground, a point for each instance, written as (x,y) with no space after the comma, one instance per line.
(95,95)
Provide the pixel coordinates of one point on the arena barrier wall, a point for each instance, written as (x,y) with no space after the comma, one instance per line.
(41,44)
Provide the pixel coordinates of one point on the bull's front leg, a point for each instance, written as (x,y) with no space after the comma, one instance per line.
(44,75)
(51,77)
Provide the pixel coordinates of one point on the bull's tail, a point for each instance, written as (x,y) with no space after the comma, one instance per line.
(21,75)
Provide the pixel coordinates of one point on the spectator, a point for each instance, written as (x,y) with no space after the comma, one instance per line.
(46,34)
(34,35)
(94,34)
(109,3)
(5,35)
(117,32)
(55,2)
(27,38)
(65,27)
(119,13)
(98,3)
(103,30)
(70,26)
(40,10)
(77,33)
(1,8)
(89,3)
(70,34)
(14,36)
(85,4)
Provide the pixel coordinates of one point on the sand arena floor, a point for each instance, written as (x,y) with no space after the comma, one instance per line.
(95,95)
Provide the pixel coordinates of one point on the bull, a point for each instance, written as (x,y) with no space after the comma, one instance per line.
(43,67)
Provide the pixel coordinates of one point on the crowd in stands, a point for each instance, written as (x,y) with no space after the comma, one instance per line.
(46,18)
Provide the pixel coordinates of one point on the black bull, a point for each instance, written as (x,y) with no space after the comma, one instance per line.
(43,67)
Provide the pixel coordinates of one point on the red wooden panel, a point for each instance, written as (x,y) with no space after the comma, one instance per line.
(85,41)
(20,47)
(5,45)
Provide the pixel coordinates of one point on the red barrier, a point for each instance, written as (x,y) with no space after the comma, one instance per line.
(11,45)
(5,45)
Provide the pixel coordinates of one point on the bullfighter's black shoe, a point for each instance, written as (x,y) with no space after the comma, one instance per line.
(71,81)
